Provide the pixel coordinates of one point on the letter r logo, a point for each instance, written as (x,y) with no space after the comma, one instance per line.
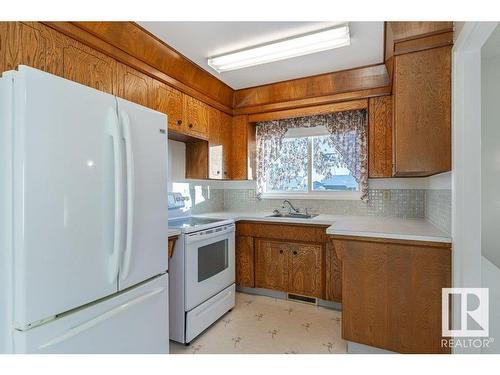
(473,304)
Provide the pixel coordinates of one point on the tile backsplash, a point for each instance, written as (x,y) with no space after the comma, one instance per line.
(434,204)
(438,208)
(401,203)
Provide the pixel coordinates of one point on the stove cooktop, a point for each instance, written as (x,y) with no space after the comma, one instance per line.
(190,222)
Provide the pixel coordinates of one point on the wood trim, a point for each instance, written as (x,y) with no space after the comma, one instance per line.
(422,43)
(310,111)
(400,32)
(165,65)
(319,86)
(320,100)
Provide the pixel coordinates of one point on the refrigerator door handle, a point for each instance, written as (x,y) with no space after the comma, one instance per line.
(113,129)
(129,161)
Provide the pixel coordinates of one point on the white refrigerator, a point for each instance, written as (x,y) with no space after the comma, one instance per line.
(83,219)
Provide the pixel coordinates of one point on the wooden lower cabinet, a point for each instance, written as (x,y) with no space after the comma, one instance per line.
(306,270)
(290,266)
(271,264)
(292,258)
(391,292)
(245,270)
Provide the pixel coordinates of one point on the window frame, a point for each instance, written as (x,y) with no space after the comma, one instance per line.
(310,194)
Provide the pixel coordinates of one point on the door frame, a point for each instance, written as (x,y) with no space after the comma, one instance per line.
(466,160)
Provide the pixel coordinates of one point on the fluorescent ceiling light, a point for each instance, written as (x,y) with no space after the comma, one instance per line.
(284,49)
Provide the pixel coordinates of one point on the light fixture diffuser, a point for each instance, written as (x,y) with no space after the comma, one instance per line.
(305,44)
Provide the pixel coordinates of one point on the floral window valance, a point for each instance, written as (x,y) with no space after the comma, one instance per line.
(347,133)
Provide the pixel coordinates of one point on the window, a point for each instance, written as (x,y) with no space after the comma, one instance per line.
(308,163)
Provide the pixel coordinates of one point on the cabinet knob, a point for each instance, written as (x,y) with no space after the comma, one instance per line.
(225,172)
(281,251)
(295,252)
(179,122)
(218,172)
(190,125)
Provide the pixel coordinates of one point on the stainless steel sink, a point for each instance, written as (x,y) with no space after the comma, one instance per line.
(294,215)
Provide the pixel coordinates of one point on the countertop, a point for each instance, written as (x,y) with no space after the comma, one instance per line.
(173,232)
(360,226)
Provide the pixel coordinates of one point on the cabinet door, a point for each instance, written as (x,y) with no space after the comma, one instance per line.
(169,101)
(88,67)
(240,148)
(216,148)
(333,274)
(196,117)
(422,112)
(271,268)
(380,137)
(306,270)
(135,86)
(227,144)
(245,261)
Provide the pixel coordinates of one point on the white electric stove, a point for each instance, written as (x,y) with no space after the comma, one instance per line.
(201,270)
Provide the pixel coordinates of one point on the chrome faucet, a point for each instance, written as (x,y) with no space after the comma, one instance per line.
(290,206)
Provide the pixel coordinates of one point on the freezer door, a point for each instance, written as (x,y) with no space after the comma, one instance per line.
(146,230)
(66,219)
(135,321)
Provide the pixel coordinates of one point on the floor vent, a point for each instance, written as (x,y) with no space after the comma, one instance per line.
(309,300)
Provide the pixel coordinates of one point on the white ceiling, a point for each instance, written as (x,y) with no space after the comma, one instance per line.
(200,40)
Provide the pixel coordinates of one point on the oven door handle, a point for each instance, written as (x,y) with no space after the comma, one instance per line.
(209,233)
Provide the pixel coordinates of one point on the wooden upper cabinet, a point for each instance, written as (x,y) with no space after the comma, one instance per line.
(216,150)
(306,270)
(196,116)
(169,101)
(135,86)
(22,44)
(243,149)
(220,144)
(271,265)
(226,136)
(380,137)
(245,261)
(40,47)
(422,112)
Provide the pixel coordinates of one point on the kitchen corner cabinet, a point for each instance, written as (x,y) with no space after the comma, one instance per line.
(391,292)
(422,112)
(380,137)
(220,145)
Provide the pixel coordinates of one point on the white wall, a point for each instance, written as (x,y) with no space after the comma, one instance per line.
(490,181)
(490,149)
(491,279)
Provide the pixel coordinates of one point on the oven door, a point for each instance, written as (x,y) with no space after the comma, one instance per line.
(209,263)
